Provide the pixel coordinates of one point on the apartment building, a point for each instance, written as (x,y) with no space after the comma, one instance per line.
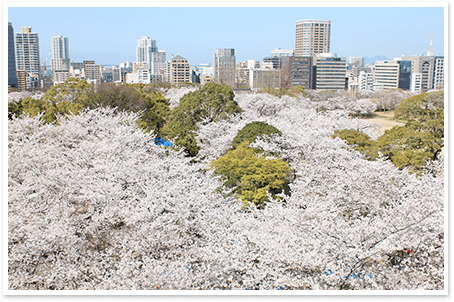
(60,53)
(179,70)
(27,56)
(312,37)
(365,80)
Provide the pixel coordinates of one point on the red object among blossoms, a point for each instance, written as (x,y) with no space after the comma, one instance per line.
(408,251)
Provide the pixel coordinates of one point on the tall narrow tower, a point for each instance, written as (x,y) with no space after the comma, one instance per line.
(145,47)
(430,53)
(12,77)
(312,37)
(60,53)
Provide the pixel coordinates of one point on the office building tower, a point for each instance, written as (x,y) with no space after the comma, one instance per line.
(12,76)
(330,72)
(60,53)
(145,47)
(179,70)
(393,74)
(297,71)
(312,37)
(224,66)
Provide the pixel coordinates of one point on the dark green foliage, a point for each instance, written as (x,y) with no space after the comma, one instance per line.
(72,90)
(425,112)
(76,94)
(422,137)
(124,97)
(156,112)
(51,110)
(252,176)
(360,142)
(210,103)
(251,131)
(408,147)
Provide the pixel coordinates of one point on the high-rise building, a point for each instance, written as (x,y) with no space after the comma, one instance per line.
(224,66)
(330,72)
(145,47)
(27,56)
(179,70)
(60,53)
(27,51)
(312,37)
(12,76)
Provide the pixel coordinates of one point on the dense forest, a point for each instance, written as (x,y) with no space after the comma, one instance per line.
(251,191)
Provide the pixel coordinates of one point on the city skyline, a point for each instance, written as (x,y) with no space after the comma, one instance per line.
(196,32)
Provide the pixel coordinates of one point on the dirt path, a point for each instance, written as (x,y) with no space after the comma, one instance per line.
(385,119)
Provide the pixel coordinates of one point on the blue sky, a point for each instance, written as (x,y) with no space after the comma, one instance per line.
(109,35)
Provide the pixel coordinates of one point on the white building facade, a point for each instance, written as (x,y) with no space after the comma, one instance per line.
(60,53)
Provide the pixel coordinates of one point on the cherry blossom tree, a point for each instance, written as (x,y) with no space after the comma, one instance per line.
(95,204)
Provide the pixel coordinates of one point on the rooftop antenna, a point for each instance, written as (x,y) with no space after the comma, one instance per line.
(430,53)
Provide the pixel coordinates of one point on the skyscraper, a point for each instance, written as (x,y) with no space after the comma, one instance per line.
(224,66)
(145,47)
(312,37)
(27,51)
(60,53)
(27,56)
(12,76)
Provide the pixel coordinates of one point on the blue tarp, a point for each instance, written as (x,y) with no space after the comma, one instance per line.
(159,141)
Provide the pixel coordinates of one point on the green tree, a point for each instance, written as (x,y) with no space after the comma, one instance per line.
(210,103)
(251,131)
(359,141)
(156,112)
(50,110)
(121,96)
(425,112)
(421,138)
(72,90)
(252,175)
